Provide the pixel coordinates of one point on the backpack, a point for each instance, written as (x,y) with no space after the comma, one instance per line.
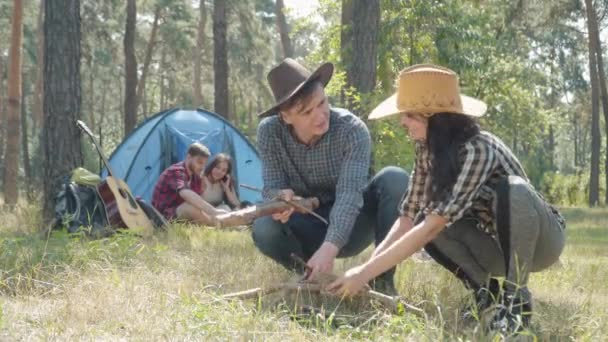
(79,208)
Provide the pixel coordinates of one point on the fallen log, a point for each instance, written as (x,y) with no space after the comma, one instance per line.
(247,215)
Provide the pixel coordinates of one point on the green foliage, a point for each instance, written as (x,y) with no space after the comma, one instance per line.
(522,58)
(526,59)
(567,190)
(392,145)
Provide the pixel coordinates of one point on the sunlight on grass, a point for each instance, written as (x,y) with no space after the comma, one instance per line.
(169,287)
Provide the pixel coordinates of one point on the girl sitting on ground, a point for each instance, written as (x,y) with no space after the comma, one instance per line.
(218,185)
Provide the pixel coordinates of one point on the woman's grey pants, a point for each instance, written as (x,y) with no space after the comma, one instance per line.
(529,239)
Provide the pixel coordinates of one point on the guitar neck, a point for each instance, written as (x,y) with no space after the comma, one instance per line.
(97,146)
(104,159)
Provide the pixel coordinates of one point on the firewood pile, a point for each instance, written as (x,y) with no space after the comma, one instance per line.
(311,296)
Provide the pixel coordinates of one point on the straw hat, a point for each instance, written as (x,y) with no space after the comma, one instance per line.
(287,78)
(428,89)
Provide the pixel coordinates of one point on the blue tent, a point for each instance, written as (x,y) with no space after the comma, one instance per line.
(164,139)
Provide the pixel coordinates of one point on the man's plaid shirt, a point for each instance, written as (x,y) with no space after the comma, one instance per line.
(334,169)
(166,197)
(485,160)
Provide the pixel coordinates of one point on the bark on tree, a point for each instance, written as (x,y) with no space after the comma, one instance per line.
(594,34)
(365,25)
(24,144)
(346,47)
(595,116)
(2,122)
(130,116)
(220,59)
(38,114)
(11,158)
(141,84)
(197,94)
(359,45)
(161,76)
(283,29)
(62,96)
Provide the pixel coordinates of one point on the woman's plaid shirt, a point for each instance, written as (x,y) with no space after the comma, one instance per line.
(485,160)
(335,169)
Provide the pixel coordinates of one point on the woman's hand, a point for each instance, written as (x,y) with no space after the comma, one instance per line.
(226,183)
(351,283)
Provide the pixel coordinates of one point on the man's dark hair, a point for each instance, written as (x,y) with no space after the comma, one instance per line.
(301,95)
(446,132)
(198,150)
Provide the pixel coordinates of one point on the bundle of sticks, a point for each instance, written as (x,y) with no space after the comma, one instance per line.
(318,285)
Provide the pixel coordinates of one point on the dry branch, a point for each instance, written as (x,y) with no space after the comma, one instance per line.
(247,215)
(318,285)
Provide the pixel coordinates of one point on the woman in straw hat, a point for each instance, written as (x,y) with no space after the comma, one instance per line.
(469,202)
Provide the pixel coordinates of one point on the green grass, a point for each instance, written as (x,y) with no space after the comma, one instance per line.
(168,287)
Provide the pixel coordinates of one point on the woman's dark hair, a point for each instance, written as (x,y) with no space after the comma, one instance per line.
(446,132)
(220,157)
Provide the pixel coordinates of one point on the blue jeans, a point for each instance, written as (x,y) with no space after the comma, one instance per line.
(303,234)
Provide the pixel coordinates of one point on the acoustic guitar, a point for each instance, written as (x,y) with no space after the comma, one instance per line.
(122,210)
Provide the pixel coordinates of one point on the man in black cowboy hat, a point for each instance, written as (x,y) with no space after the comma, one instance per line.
(310,149)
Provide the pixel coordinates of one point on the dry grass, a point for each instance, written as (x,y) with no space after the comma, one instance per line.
(169,287)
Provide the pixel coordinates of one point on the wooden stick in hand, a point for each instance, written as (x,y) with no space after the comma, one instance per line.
(294,203)
(247,215)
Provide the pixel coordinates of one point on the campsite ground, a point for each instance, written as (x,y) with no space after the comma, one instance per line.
(166,288)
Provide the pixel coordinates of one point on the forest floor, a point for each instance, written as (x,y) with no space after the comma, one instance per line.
(168,287)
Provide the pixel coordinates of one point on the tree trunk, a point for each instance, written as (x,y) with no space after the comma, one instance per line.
(594,33)
(234,110)
(89,117)
(141,85)
(130,118)
(595,116)
(102,107)
(283,29)
(38,115)
(197,94)
(346,47)
(250,125)
(366,22)
(11,194)
(29,180)
(2,122)
(575,123)
(220,59)
(144,100)
(161,75)
(121,98)
(62,96)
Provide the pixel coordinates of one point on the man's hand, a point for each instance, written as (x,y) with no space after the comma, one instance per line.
(322,260)
(287,195)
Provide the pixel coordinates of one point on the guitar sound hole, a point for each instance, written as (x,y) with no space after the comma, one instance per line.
(123,193)
(126,195)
